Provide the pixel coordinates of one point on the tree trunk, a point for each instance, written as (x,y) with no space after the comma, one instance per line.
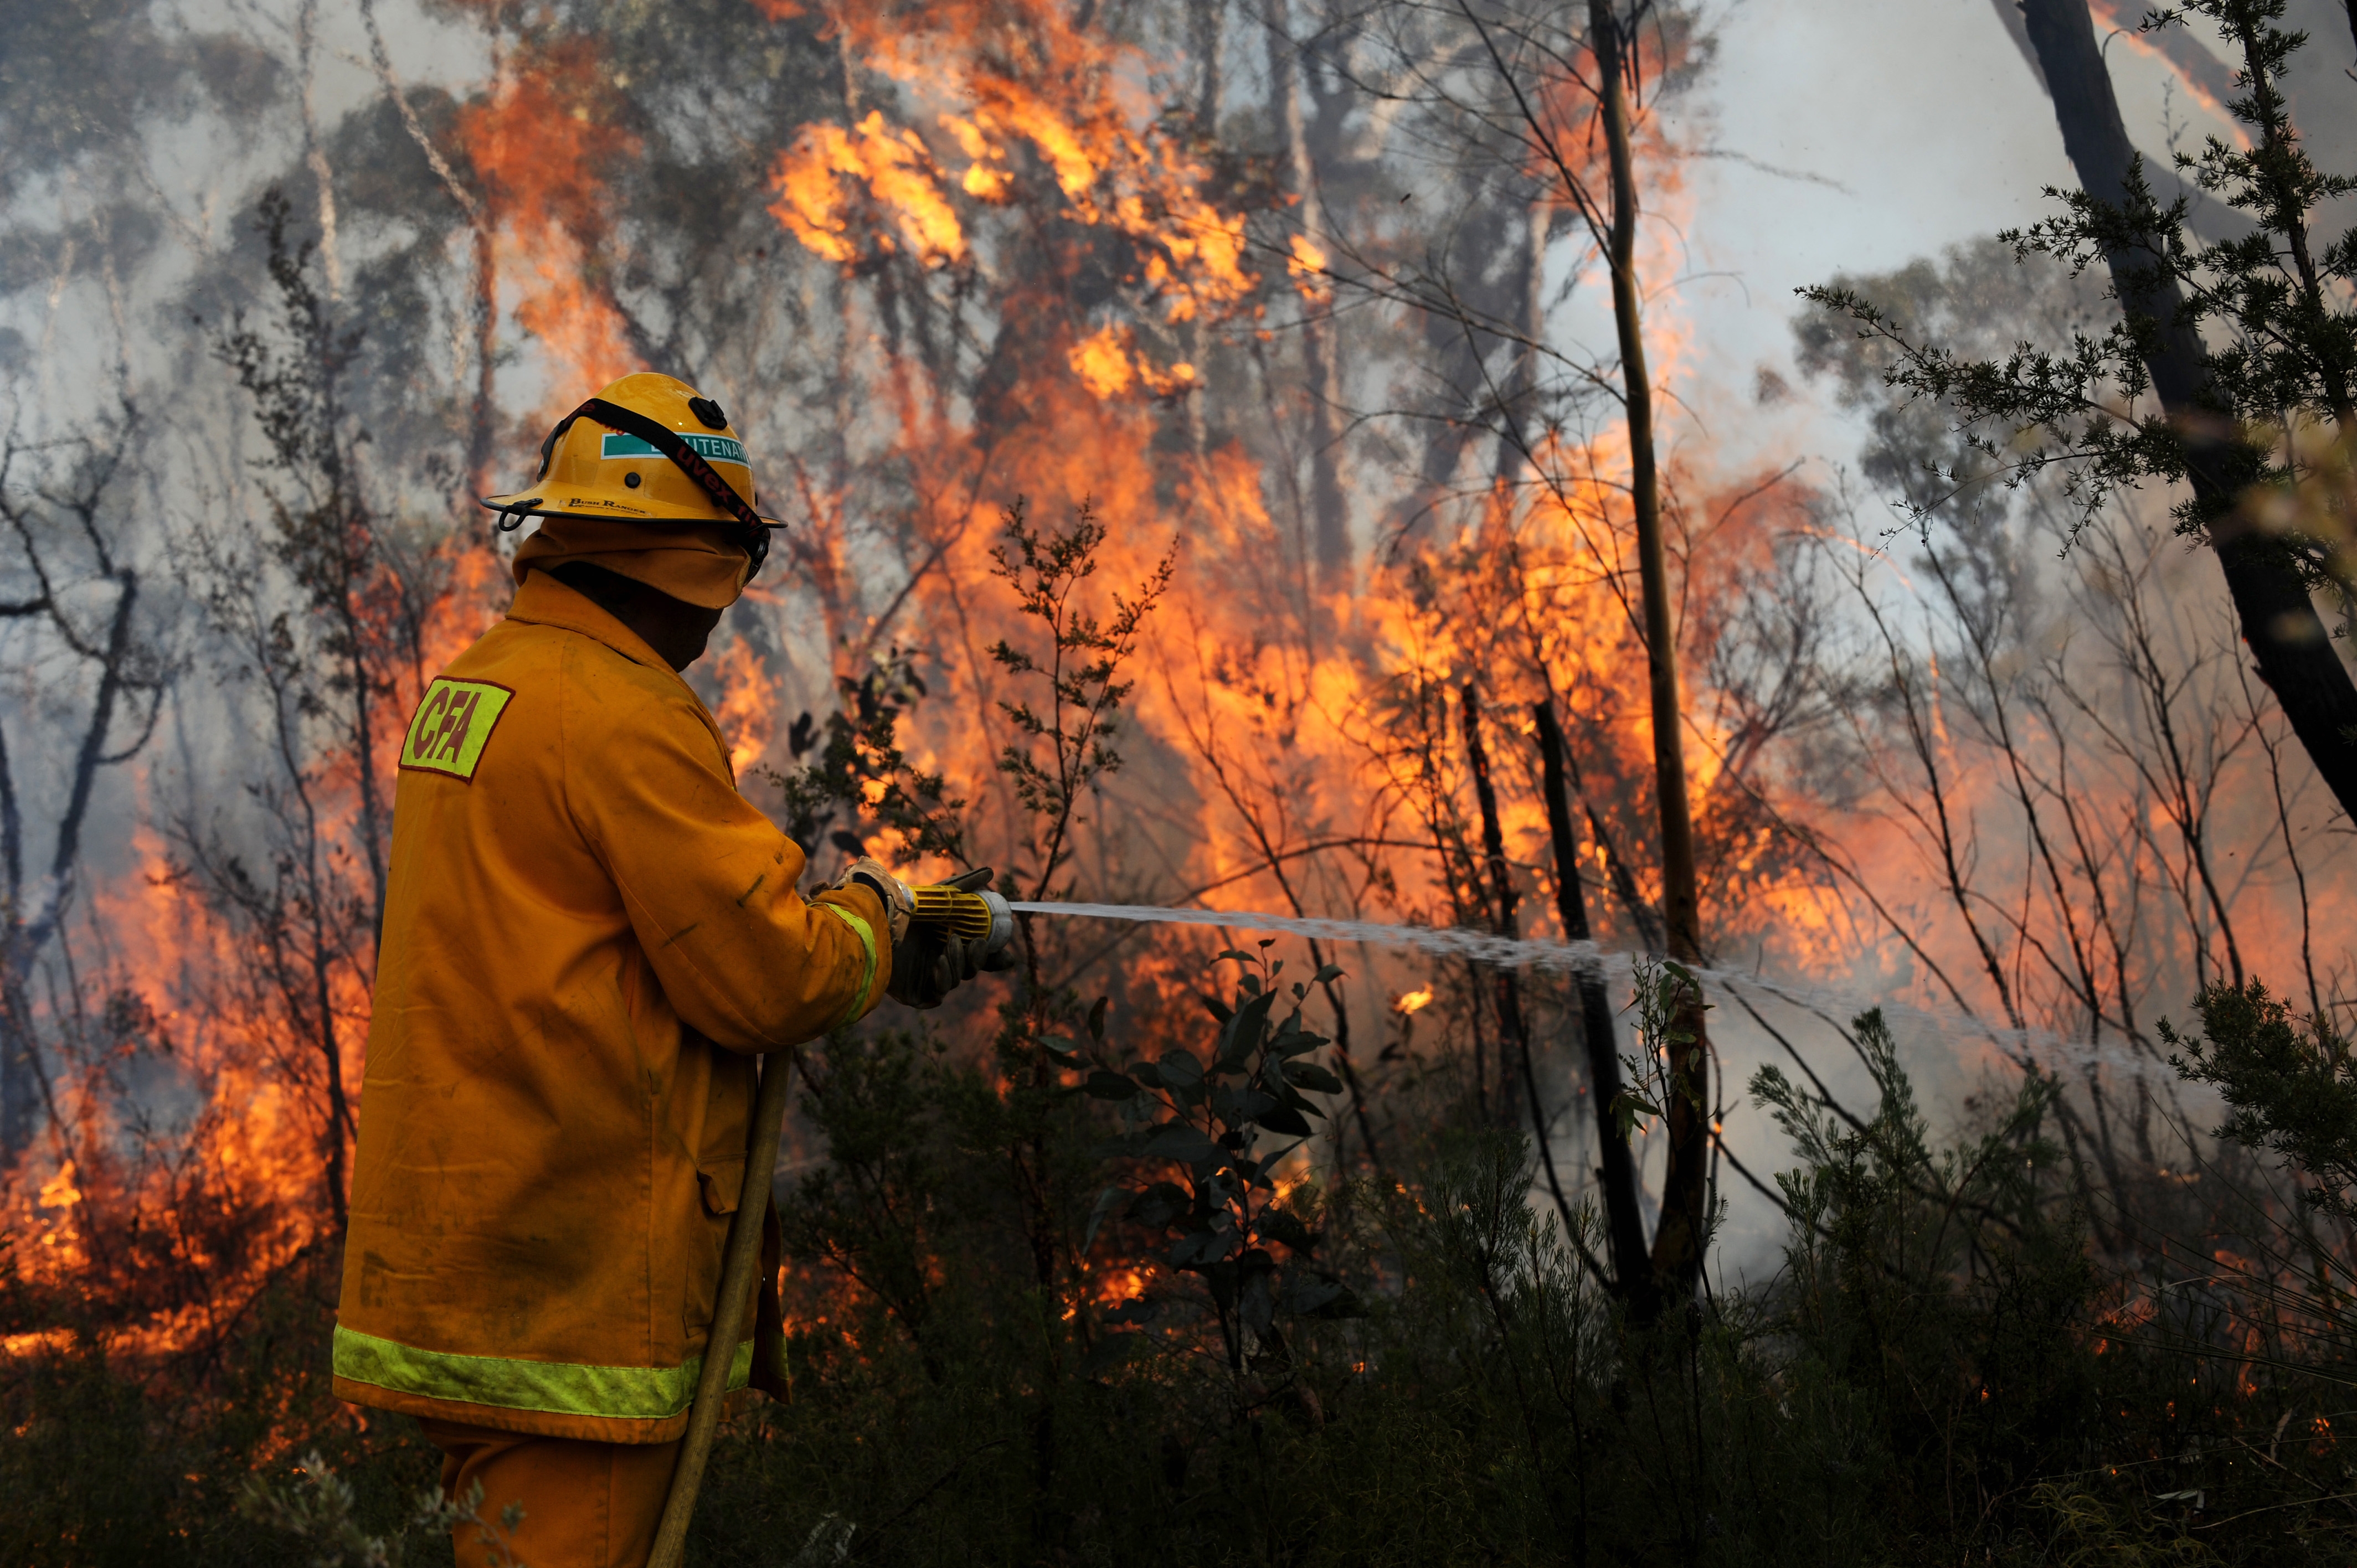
(485,301)
(1329,512)
(2286,636)
(1616,1171)
(1677,1245)
(1515,1075)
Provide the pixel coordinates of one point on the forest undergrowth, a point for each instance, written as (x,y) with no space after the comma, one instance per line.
(1424,1369)
(1073,1283)
(1127,1261)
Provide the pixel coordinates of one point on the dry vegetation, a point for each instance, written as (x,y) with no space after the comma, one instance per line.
(1179,514)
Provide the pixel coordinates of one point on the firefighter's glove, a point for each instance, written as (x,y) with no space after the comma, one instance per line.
(898,904)
(933,961)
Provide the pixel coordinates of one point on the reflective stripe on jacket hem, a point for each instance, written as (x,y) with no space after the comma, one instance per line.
(556,1388)
(860,1002)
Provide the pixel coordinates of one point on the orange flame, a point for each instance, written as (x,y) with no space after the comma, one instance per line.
(816,176)
(747,706)
(1307,267)
(1109,365)
(1281,705)
(543,149)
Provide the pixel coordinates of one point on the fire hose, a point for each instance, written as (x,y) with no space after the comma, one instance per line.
(966,908)
(983,916)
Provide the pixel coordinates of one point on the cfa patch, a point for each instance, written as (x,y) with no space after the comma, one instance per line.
(453,725)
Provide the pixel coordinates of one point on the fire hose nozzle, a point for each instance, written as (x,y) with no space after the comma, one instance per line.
(970,914)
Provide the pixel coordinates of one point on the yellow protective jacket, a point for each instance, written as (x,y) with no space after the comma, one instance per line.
(587,934)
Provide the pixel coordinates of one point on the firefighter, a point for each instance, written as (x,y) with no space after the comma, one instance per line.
(589,935)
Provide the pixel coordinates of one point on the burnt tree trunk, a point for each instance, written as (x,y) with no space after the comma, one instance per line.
(1616,1170)
(2286,636)
(1321,369)
(1516,1076)
(1678,1244)
(127,669)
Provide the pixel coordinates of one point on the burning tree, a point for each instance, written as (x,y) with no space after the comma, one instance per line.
(1452,633)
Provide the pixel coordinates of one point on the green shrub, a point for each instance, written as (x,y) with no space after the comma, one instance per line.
(1941,1372)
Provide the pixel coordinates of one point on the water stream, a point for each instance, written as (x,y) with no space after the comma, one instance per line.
(1832,1003)
(1949,1055)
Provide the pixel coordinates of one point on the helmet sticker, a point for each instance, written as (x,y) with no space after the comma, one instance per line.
(711,448)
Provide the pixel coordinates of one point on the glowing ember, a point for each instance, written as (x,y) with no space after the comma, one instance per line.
(1307,268)
(1116,1286)
(59,1191)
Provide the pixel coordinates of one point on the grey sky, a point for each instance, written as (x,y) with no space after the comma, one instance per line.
(1907,126)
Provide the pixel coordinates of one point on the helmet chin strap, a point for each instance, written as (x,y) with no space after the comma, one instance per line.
(754,529)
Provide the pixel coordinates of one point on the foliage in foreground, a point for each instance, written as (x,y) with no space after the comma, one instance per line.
(1942,1372)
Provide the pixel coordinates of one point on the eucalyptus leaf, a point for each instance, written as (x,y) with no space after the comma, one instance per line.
(1241,1104)
(1243,1034)
(1160,1204)
(1178,1141)
(1277,1225)
(1257,1306)
(1284,1119)
(1198,1247)
(1180,1070)
(1309,1075)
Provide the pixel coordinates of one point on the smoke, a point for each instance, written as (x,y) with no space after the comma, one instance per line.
(937,258)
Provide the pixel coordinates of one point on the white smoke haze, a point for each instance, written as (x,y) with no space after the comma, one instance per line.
(1842,138)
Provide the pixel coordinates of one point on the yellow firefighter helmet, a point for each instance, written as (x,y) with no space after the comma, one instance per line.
(648,449)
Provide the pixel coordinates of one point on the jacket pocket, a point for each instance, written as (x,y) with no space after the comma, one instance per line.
(720,1181)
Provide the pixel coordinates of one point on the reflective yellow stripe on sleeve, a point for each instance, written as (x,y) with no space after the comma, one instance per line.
(859,1001)
(560,1387)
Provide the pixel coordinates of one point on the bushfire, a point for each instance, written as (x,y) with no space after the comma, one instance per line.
(1277,311)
